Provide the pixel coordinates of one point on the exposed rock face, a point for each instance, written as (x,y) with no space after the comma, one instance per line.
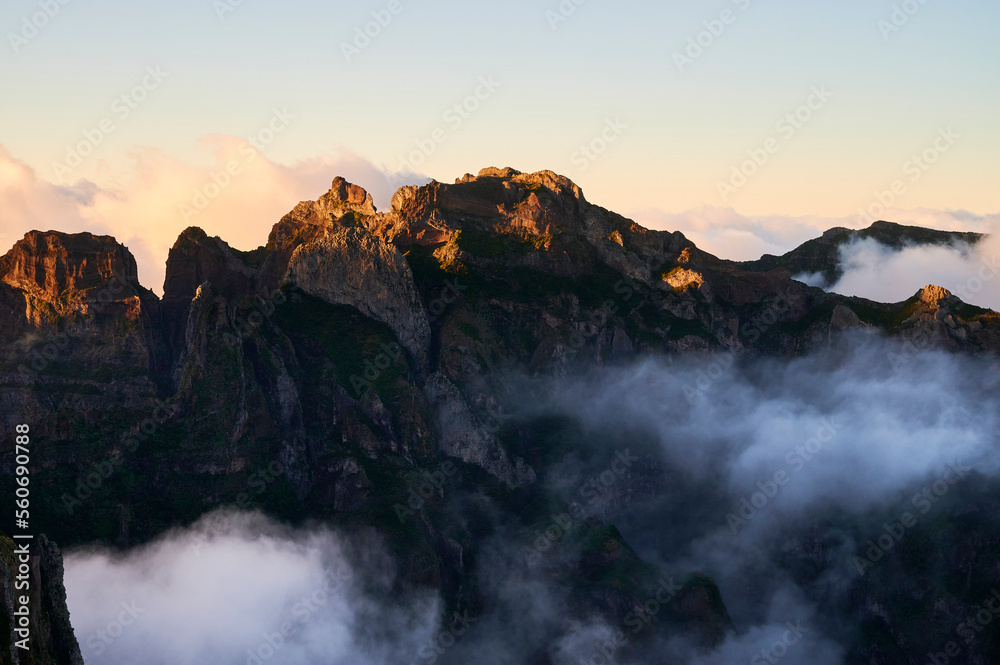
(843,319)
(462,436)
(52,265)
(281,382)
(196,258)
(938,318)
(76,328)
(933,294)
(61,273)
(682,279)
(344,192)
(353,267)
(51,640)
(822,255)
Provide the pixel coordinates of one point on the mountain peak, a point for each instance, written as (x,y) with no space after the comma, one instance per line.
(494,172)
(931,294)
(61,267)
(344,192)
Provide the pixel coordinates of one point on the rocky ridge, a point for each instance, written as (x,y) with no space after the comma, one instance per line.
(357,348)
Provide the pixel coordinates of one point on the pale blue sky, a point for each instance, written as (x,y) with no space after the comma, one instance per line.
(608,60)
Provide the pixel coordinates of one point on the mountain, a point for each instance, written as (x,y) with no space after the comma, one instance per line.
(315,377)
(47,636)
(822,255)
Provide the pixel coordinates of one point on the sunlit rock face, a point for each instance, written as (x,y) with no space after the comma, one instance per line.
(432,376)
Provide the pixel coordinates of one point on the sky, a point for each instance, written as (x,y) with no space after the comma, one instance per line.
(119,114)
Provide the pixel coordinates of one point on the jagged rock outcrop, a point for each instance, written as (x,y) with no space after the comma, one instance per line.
(353,267)
(60,274)
(197,258)
(344,192)
(822,255)
(938,318)
(51,639)
(344,206)
(76,329)
(464,437)
(282,374)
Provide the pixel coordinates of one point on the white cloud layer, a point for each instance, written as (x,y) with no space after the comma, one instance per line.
(854,431)
(237,588)
(880,273)
(730,235)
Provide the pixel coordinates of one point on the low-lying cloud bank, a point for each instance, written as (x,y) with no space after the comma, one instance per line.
(730,235)
(238,588)
(763,459)
(877,272)
(733,466)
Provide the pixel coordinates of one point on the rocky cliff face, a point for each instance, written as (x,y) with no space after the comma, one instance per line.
(59,271)
(353,267)
(50,634)
(822,255)
(316,376)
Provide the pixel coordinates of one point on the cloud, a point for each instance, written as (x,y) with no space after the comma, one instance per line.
(882,424)
(239,588)
(752,457)
(157,196)
(28,202)
(884,274)
(730,235)
(832,444)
